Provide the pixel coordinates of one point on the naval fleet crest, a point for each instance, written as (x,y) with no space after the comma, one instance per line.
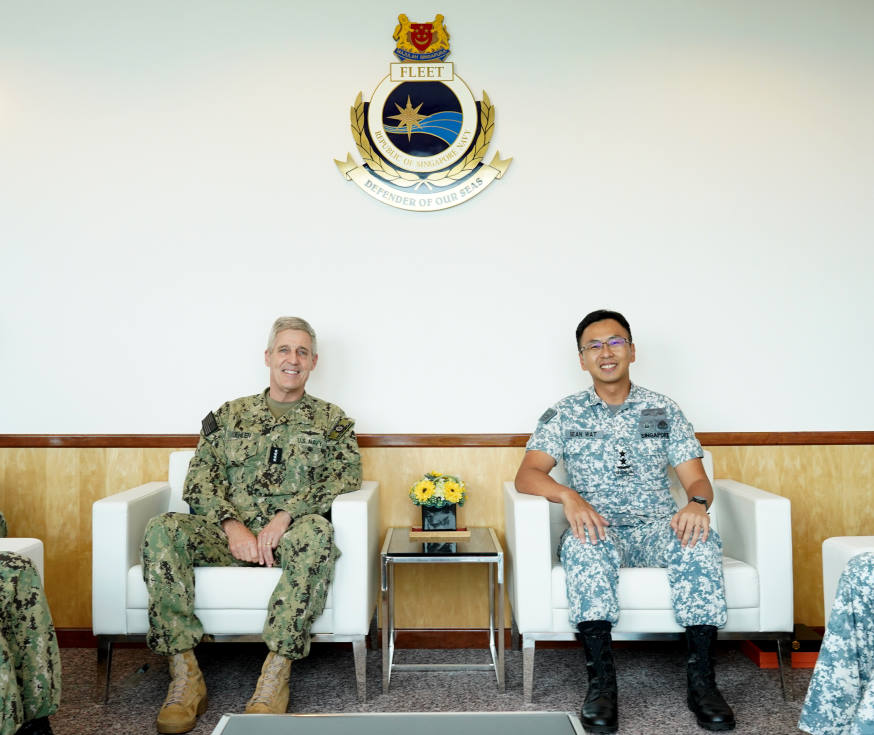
(422,136)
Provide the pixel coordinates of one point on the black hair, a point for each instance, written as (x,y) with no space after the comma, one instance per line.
(600,315)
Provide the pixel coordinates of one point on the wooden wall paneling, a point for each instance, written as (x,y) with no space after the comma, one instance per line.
(47,492)
(828,487)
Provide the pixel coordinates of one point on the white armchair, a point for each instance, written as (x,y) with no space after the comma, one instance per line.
(231,602)
(836,552)
(32,548)
(757,543)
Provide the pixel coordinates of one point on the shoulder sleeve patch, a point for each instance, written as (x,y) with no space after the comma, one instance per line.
(548,415)
(209,425)
(340,427)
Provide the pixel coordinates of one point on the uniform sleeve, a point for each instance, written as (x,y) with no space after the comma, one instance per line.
(3,530)
(683,445)
(206,487)
(339,473)
(547,435)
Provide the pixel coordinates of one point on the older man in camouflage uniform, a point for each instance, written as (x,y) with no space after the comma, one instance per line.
(260,487)
(616,441)
(30,664)
(840,698)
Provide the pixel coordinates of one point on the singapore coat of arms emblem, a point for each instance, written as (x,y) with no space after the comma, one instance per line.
(423,137)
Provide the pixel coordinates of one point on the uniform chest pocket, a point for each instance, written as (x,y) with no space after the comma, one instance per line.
(309,448)
(242,450)
(653,426)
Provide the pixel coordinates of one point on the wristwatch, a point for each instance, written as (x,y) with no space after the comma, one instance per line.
(699,499)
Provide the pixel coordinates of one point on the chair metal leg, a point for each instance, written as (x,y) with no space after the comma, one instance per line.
(527,668)
(359,653)
(104,666)
(374,630)
(780,667)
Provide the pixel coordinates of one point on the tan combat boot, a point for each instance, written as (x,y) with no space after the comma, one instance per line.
(186,697)
(271,692)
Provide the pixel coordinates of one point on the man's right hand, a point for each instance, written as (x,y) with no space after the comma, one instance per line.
(241,541)
(586,523)
(533,477)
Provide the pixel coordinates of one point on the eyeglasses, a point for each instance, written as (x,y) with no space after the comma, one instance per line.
(614,343)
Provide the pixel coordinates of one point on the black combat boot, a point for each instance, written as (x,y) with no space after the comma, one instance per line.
(39,726)
(599,713)
(711,710)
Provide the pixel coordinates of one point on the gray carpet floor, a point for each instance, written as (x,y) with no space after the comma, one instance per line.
(651,687)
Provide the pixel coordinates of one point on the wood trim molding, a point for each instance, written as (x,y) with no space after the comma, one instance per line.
(189,441)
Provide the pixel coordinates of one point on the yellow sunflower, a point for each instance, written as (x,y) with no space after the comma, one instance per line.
(423,490)
(452,491)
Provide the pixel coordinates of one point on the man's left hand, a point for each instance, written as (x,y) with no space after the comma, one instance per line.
(270,535)
(691,524)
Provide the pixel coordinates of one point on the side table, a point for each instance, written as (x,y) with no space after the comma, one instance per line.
(482,548)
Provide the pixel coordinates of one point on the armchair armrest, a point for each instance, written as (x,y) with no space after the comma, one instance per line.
(355,517)
(32,548)
(756,528)
(528,558)
(117,526)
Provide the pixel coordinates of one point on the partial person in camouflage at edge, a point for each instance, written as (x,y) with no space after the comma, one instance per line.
(260,488)
(30,663)
(840,697)
(616,441)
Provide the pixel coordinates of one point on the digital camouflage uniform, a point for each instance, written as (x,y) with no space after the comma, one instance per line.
(840,698)
(30,664)
(618,463)
(249,465)
(3,530)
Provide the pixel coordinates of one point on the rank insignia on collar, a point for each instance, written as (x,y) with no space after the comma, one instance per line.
(423,137)
(340,427)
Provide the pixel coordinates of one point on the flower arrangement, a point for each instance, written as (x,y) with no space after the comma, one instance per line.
(437,490)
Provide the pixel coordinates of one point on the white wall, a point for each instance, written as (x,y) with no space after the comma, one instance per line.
(167,188)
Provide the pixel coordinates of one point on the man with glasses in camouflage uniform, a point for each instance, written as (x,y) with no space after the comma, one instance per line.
(840,698)
(616,441)
(260,488)
(30,663)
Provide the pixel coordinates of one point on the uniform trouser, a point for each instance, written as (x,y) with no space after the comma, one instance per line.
(175,543)
(30,664)
(694,572)
(840,698)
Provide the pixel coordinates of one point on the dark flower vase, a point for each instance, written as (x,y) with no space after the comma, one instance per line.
(439,519)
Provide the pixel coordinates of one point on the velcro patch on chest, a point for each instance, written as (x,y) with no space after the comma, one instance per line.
(654,424)
(209,425)
(340,428)
(586,434)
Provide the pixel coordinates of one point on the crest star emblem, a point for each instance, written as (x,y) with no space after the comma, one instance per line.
(409,116)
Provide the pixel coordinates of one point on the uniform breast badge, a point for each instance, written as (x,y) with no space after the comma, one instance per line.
(423,137)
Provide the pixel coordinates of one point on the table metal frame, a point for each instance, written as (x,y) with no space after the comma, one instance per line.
(495,561)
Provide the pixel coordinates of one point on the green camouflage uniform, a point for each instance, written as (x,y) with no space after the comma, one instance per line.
(30,664)
(248,466)
(3,530)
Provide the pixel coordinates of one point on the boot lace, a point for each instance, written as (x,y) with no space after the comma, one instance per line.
(176,693)
(268,682)
(179,682)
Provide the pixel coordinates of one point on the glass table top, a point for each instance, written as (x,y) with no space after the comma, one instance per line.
(481,543)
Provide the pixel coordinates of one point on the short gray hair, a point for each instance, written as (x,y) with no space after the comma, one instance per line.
(291,322)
